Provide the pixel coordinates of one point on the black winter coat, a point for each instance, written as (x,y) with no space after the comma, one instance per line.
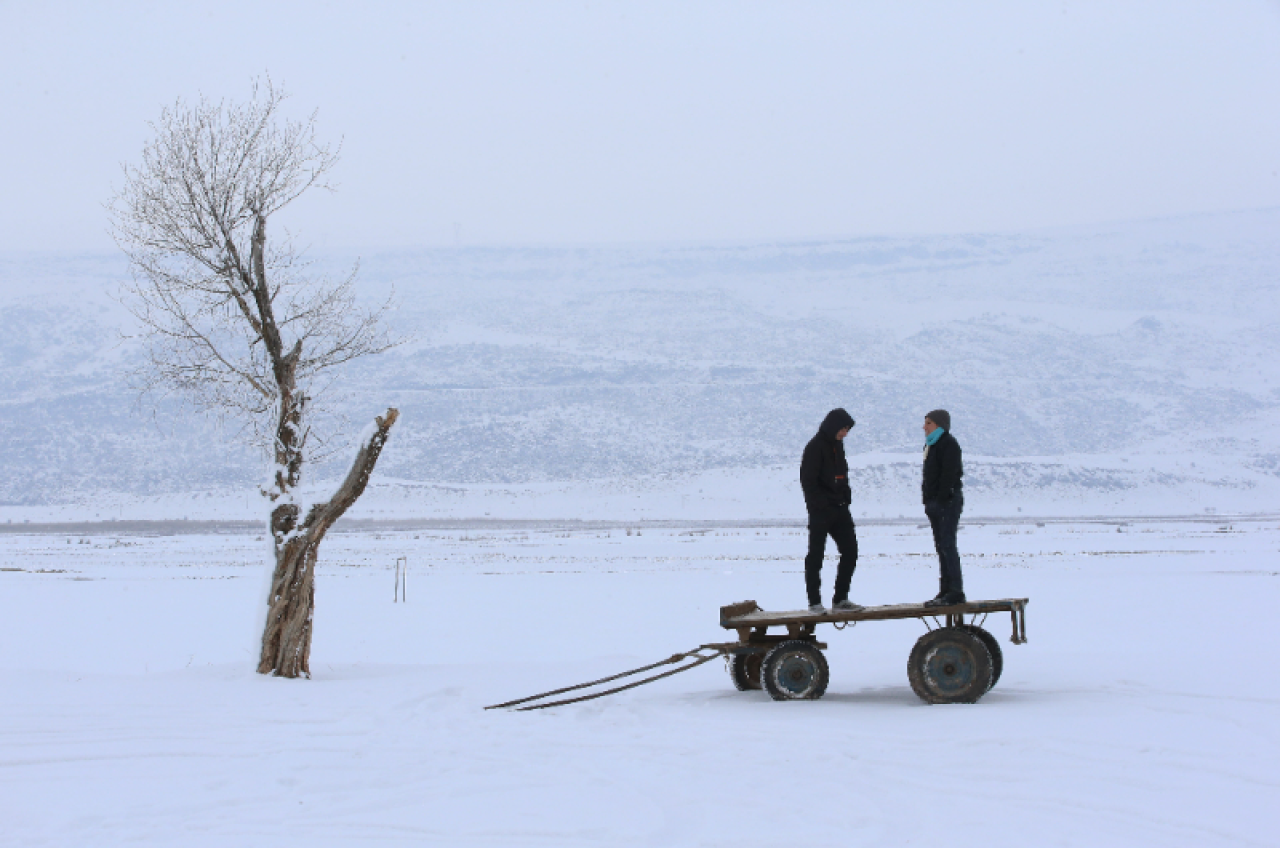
(943,470)
(824,471)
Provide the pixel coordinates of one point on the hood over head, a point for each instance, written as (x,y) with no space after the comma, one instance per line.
(836,420)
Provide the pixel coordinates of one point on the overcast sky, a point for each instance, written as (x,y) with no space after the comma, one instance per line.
(590,122)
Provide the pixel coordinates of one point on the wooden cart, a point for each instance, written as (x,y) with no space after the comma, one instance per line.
(955,662)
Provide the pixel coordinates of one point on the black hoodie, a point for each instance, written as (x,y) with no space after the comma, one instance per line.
(824,471)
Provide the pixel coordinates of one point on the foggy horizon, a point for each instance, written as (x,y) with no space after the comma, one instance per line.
(559,125)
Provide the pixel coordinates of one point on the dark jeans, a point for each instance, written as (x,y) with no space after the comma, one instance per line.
(945,521)
(838,524)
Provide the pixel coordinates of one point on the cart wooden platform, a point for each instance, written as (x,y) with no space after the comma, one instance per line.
(956,661)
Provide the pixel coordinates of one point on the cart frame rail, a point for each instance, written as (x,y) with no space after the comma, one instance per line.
(753,623)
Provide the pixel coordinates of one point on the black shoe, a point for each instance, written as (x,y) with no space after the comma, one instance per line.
(946,599)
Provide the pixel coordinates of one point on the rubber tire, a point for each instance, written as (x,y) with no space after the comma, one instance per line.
(993,647)
(950,665)
(795,670)
(745,671)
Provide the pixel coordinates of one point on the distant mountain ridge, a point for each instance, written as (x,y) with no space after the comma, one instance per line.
(533,365)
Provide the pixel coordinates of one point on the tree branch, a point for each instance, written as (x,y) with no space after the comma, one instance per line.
(322,516)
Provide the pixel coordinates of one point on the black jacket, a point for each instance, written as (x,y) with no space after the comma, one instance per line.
(943,470)
(824,471)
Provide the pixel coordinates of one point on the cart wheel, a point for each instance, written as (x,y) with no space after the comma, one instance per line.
(950,666)
(795,670)
(745,671)
(993,648)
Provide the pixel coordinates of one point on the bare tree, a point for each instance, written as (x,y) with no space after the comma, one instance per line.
(240,327)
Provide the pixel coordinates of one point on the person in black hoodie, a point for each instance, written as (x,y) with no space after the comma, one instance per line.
(824,477)
(942,492)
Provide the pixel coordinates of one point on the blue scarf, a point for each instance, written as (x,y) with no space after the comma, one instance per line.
(932,438)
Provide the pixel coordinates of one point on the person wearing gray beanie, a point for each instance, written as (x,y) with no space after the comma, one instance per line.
(943,493)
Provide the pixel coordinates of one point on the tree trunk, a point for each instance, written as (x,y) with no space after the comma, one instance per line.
(286,641)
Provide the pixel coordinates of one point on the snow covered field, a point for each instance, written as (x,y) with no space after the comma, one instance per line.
(1142,711)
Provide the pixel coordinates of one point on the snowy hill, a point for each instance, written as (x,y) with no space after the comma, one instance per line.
(1124,367)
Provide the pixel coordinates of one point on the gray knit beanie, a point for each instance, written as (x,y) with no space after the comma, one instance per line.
(942,418)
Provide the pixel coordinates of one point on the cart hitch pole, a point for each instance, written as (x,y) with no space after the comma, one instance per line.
(695,655)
